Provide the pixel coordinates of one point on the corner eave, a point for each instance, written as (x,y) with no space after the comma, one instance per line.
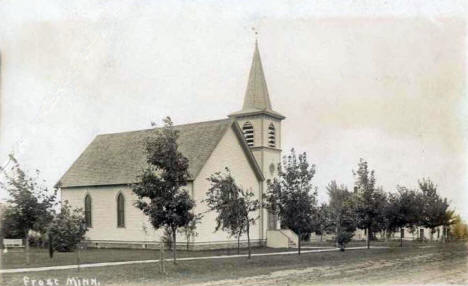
(240,114)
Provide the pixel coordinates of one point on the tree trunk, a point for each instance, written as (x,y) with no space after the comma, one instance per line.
(336,236)
(28,258)
(299,244)
(238,243)
(78,258)
(368,237)
(401,236)
(51,246)
(248,240)
(161,257)
(174,246)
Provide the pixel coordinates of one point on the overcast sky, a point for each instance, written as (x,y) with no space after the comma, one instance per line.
(385,83)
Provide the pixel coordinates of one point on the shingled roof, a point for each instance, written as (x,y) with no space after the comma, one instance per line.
(118,158)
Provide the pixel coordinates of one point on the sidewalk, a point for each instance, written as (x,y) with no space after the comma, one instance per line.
(102,264)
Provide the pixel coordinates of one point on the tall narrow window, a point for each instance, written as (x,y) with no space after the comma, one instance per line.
(120,211)
(248,130)
(87,212)
(271,136)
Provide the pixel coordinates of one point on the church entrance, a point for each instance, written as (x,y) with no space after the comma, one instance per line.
(272,221)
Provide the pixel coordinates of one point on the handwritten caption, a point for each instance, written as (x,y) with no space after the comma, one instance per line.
(70,281)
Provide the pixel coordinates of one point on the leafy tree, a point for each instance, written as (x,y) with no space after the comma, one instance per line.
(402,210)
(30,205)
(324,219)
(67,228)
(233,205)
(292,197)
(368,200)
(435,209)
(342,213)
(160,191)
(459,229)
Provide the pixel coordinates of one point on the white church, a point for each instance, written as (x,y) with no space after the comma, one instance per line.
(248,142)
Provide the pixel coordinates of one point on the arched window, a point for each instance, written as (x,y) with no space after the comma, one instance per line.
(271,136)
(87,211)
(120,211)
(248,131)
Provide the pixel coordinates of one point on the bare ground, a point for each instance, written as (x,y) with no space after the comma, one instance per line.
(430,268)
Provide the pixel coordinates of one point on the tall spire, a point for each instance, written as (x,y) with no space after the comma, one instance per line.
(256,99)
(256,95)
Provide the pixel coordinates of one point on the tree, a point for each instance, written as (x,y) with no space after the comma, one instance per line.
(324,219)
(342,213)
(160,190)
(67,228)
(368,200)
(459,229)
(190,229)
(292,197)
(402,210)
(233,205)
(30,205)
(435,209)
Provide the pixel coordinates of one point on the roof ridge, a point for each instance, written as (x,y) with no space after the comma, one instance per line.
(179,125)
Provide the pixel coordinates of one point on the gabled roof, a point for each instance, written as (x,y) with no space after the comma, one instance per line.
(118,158)
(257,98)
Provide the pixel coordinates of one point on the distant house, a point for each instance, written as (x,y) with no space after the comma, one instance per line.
(248,142)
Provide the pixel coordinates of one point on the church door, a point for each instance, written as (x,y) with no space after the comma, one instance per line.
(272,221)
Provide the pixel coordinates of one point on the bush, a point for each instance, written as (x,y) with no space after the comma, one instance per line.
(10,227)
(343,238)
(67,229)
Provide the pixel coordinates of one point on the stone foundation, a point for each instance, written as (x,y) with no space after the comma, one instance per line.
(180,246)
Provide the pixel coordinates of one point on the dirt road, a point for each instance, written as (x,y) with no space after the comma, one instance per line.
(430,268)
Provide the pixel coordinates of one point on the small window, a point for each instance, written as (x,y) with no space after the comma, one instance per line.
(271,136)
(248,131)
(87,212)
(120,211)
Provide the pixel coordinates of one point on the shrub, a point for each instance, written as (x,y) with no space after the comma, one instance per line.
(343,238)
(10,227)
(68,228)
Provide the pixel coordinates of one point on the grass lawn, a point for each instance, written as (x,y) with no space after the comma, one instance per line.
(40,257)
(354,266)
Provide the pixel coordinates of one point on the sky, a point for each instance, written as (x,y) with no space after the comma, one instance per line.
(356,79)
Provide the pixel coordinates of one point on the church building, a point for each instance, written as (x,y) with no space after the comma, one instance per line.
(248,142)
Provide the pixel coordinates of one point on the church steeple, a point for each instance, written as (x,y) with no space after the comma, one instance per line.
(256,98)
(256,94)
